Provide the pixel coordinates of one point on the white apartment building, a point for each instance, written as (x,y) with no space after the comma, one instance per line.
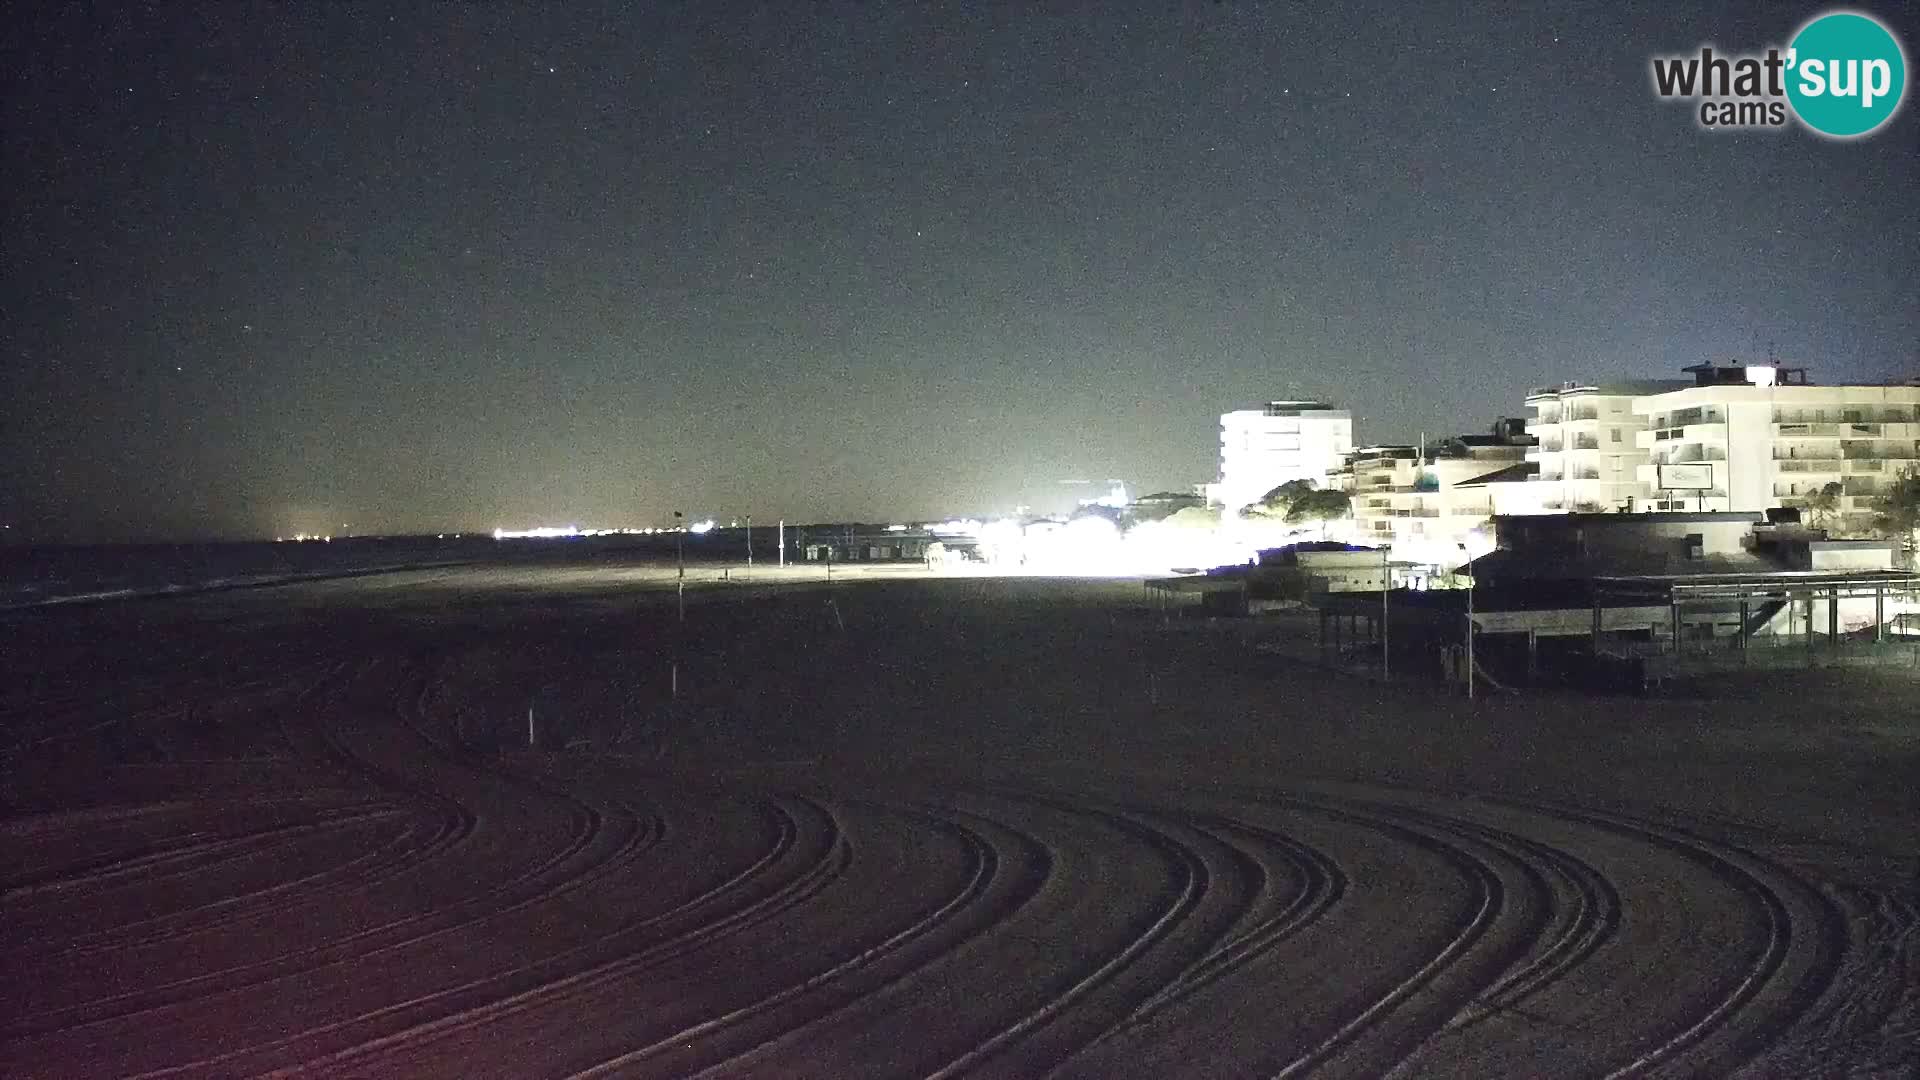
(1260,449)
(1768,438)
(1589,448)
(1421,502)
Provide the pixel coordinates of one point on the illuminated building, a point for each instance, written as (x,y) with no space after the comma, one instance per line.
(1260,449)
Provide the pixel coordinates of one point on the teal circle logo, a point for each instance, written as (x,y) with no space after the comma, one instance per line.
(1846,74)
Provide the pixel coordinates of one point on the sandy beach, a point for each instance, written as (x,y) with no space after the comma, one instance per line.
(523,821)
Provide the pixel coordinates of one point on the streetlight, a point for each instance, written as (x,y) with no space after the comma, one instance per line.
(1471,584)
(1386,621)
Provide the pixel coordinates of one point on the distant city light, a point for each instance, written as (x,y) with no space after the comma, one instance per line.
(701,526)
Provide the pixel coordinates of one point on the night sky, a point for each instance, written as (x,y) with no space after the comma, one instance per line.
(281,267)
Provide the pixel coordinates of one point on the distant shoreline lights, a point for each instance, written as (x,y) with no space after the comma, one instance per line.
(568,532)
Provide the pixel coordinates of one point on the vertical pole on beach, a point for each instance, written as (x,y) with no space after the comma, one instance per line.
(749,541)
(680,561)
(529,727)
(783,542)
(1386,621)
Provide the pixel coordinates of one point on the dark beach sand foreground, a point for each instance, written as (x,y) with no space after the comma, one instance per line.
(913,827)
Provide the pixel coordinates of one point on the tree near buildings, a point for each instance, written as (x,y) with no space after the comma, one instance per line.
(1897,509)
(1320,506)
(1822,505)
(1279,502)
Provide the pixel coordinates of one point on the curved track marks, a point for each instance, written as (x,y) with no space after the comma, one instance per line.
(521,920)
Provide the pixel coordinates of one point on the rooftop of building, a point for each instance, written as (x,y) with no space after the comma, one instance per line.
(1515,473)
(1660,517)
(1294,408)
(1730,373)
(1615,388)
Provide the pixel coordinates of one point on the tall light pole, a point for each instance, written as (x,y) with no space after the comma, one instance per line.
(680,559)
(1470,590)
(749,541)
(1386,621)
(782,541)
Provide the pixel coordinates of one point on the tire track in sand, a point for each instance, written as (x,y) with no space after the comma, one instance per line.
(1322,884)
(1050,1034)
(997,885)
(1397,1021)
(820,849)
(1785,975)
(586,825)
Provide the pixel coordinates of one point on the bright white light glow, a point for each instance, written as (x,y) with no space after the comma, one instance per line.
(1094,546)
(538,532)
(701,526)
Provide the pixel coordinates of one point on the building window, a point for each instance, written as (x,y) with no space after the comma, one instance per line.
(1613,434)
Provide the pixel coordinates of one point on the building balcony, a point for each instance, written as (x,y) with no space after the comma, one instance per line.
(1806,431)
(1689,417)
(1865,414)
(1880,451)
(1702,432)
(1687,455)
(1824,466)
(1413,512)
